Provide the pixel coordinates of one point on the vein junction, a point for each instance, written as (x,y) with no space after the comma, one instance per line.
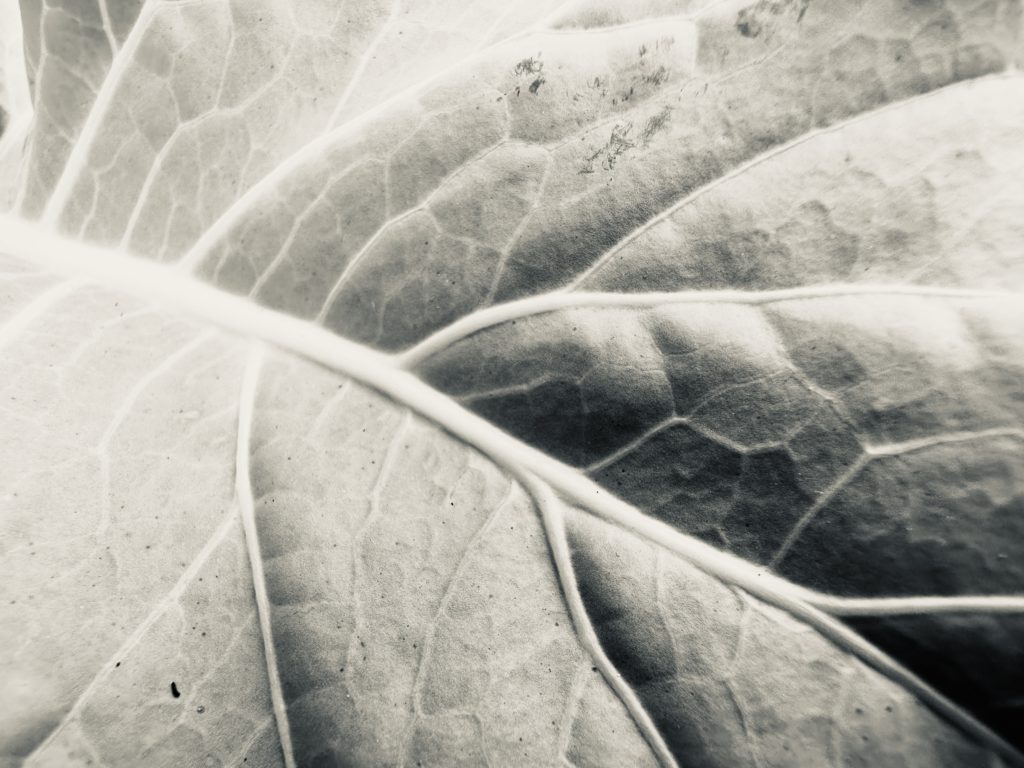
(170,288)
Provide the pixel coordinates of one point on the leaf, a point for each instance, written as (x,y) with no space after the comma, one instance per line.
(69,48)
(535,385)
(227,86)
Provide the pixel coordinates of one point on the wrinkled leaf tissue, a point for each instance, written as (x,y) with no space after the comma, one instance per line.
(558,383)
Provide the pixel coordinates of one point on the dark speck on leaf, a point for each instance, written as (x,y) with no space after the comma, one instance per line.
(747,27)
(536,84)
(654,124)
(174,691)
(529,66)
(657,77)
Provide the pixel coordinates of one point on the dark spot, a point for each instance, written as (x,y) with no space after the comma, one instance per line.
(753,21)
(174,691)
(536,84)
(654,124)
(657,77)
(529,66)
(748,25)
(618,143)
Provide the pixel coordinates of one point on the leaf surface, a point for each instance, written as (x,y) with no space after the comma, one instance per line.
(545,385)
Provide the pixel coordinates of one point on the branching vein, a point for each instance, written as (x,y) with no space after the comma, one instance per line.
(243,485)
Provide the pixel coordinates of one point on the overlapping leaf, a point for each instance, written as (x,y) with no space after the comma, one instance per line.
(752,268)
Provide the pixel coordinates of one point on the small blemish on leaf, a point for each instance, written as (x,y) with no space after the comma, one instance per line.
(174,691)
(654,124)
(748,26)
(657,77)
(529,66)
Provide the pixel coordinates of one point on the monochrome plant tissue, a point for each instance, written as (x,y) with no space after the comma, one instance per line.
(527,384)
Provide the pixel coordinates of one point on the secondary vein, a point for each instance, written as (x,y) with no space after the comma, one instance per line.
(243,485)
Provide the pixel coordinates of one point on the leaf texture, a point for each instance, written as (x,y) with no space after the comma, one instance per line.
(569,384)
(15,101)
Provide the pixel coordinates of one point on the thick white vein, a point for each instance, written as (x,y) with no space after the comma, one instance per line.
(555,301)
(243,490)
(947,438)
(552,516)
(918,605)
(178,291)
